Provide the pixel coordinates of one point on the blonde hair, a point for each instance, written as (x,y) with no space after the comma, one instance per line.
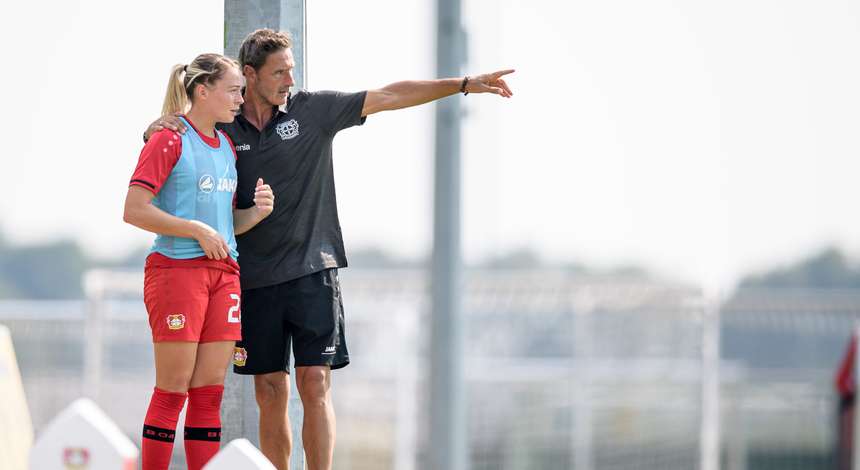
(204,69)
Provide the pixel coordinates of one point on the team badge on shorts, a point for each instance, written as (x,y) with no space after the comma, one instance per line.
(176,322)
(239,357)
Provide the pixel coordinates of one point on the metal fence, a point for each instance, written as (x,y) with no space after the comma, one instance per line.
(562,371)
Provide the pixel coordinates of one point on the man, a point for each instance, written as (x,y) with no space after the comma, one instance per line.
(289,262)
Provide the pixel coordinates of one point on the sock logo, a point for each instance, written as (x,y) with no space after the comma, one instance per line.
(240,356)
(176,322)
(75,458)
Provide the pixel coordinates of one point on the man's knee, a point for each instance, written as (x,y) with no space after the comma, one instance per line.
(272,390)
(313,384)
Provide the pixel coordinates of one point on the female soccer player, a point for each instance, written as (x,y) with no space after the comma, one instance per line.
(183,189)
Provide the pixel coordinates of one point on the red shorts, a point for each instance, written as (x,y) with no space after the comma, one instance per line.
(194,300)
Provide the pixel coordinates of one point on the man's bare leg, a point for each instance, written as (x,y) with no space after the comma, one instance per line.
(273,393)
(318,430)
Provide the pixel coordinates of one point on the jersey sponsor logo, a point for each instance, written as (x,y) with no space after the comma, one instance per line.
(243,147)
(207,184)
(176,322)
(287,130)
(329,350)
(240,356)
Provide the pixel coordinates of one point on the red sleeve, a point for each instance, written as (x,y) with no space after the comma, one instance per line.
(157,160)
(845,374)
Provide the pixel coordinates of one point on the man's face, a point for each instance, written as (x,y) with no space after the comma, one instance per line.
(273,80)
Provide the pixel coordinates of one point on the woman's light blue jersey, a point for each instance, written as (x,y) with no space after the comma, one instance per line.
(200,187)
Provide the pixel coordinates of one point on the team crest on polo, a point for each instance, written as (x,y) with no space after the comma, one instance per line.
(176,322)
(287,130)
(240,356)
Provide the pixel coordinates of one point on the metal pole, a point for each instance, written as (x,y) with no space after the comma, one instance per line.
(447,411)
(94,287)
(710,430)
(582,437)
(241,17)
(244,16)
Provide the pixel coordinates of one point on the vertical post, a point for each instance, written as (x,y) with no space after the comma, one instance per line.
(95,291)
(243,16)
(240,18)
(710,430)
(406,383)
(447,448)
(582,438)
(855,436)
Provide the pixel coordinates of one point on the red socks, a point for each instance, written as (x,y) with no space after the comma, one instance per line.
(159,428)
(203,425)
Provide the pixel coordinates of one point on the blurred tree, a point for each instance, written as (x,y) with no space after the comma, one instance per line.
(45,271)
(826,269)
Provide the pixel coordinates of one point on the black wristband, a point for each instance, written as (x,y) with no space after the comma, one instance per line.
(463,85)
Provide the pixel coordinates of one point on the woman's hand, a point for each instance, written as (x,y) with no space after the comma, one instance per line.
(210,240)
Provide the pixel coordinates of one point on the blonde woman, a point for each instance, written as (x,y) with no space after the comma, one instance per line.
(183,189)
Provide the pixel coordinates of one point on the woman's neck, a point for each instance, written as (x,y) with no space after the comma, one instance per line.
(204,124)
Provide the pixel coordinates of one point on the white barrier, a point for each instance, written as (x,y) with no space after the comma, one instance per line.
(239,453)
(16,429)
(82,437)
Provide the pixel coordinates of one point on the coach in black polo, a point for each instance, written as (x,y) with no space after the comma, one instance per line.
(289,262)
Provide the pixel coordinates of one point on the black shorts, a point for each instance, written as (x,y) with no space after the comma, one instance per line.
(307,311)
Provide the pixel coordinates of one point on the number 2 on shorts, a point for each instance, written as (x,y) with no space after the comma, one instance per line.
(233,315)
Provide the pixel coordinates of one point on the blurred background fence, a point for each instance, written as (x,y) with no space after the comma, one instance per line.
(562,370)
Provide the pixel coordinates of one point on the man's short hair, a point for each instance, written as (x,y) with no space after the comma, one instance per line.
(258,45)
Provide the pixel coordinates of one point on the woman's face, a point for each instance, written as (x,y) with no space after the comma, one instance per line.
(224,97)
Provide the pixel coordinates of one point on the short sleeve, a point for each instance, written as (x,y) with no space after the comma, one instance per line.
(157,160)
(337,110)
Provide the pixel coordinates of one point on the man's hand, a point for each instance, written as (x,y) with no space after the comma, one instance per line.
(490,83)
(210,240)
(264,199)
(170,121)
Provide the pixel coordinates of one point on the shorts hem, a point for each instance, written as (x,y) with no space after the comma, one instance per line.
(248,372)
(333,366)
(219,338)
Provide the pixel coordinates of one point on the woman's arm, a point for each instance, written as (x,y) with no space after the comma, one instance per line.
(264,204)
(140,212)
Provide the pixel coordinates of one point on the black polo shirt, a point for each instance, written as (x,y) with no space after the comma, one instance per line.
(293,155)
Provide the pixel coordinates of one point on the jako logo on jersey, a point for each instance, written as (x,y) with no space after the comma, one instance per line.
(288,130)
(207,184)
(176,322)
(240,356)
(329,350)
(243,147)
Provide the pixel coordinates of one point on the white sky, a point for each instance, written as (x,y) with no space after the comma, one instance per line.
(699,139)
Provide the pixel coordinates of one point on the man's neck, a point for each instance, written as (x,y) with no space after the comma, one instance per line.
(257,110)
